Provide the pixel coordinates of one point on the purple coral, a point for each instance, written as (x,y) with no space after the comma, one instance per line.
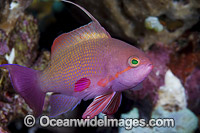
(3,43)
(192,86)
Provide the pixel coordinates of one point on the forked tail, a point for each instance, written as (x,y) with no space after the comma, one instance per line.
(25,82)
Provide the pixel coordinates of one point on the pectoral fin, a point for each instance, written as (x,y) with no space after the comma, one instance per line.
(98,105)
(114,104)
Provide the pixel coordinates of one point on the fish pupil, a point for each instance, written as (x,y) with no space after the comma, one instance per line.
(134,61)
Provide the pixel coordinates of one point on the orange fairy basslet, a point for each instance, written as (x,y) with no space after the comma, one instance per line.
(85,63)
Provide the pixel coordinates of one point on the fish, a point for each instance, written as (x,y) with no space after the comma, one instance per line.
(86,63)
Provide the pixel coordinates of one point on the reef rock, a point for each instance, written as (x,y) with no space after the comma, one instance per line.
(24,38)
(126,18)
(193,91)
(19,37)
(171,104)
(10,11)
(172,95)
(185,121)
(3,43)
(184,63)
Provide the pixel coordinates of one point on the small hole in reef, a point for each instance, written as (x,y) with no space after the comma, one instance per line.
(16,2)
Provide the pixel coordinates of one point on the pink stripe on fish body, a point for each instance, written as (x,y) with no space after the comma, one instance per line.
(82,84)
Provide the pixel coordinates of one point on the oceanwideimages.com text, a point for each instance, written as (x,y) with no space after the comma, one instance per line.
(127,123)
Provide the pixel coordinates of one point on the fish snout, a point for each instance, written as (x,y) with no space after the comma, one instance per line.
(149,67)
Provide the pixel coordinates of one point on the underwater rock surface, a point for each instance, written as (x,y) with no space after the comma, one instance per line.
(172,95)
(126,18)
(185,64)
(3,43)
(19,37)
(10,11)
(171,104)
(193,91)
(182,58)
(186,121)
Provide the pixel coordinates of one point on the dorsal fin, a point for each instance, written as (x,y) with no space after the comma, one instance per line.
(93,30)
(93,19)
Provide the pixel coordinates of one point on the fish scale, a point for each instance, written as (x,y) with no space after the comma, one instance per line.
(64,70)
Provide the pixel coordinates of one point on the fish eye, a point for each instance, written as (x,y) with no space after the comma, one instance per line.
(133,61)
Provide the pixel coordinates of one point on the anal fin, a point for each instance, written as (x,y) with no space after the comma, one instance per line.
(62,103)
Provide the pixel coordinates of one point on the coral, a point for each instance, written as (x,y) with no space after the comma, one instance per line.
(185,120)
(10,12)
(19,37)
(171,104)
(182,58)
(173,92)
(125,18)
(193,91)
(172,95)
(42,62)
(184,63)
(24,38)
(3,43)
(153,23)
(133,114)
(11,107)
(10,58)
(186,55)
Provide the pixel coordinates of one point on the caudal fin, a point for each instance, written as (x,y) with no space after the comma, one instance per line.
(24,81)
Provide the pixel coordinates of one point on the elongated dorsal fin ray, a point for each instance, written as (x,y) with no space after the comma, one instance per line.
(91,31)
(85,11)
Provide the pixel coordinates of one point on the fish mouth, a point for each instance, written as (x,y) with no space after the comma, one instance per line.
(149,68)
